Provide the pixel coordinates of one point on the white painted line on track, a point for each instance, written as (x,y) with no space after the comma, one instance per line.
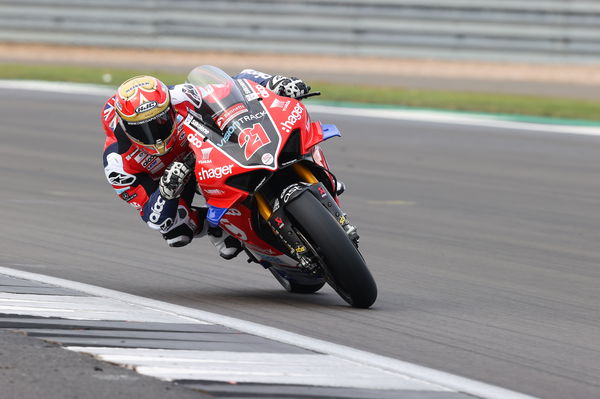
(84,308)
(455,119)
(58,87)
(444,117)
(440,379)
(266,368)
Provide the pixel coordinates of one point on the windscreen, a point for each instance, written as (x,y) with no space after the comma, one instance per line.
(244,129)
(219,93)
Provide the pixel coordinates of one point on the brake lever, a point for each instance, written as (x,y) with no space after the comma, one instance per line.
(311,94)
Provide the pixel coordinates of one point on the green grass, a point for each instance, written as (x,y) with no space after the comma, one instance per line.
(456,101)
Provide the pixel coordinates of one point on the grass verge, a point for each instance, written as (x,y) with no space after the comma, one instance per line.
(456,101)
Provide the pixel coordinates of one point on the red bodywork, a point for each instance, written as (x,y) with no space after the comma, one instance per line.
(214,165)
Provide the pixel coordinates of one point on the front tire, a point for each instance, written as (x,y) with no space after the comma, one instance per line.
(297,287)
(344,267)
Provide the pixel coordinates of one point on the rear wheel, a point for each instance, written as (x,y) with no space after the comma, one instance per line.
(344,267)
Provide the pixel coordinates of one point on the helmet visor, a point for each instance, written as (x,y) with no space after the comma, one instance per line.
(149,132)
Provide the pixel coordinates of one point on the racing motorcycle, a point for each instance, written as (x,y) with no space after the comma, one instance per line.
(266,182)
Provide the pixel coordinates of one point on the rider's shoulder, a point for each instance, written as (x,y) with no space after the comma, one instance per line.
(185,92)
(109,116)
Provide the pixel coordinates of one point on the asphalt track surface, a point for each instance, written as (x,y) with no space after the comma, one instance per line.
(484,242)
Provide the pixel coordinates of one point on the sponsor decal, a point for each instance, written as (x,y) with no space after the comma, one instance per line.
(233,230)
(139,157)
(252,139)
(214,191)
(263,91)
(230,114)
(206,155)
(279,222)
(237,123)
(267,159)
(120,179)
(152,163)
(215,173)
(166,225)
(155,165)
(131,154)
(288,163)
(199,127)
(252,97)
(135,205)
(244,86)
(194,140)
(289,191)
(276,204)
(233,212)
(293,117)
(128,197)
(284,105)
(157,208)
(322,192)
(146,107)
(141,84)
(251,117)
(114,171)
(227,135)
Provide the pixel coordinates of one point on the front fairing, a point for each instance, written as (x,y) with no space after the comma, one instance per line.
(241,135)
(240,125)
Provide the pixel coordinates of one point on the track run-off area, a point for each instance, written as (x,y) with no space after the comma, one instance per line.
(482,237)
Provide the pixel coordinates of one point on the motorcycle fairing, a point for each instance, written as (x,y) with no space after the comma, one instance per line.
(237,222)
(246,127)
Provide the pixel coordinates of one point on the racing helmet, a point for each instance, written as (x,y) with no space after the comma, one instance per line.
(146,115)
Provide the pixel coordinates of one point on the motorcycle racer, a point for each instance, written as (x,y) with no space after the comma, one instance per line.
(148,161)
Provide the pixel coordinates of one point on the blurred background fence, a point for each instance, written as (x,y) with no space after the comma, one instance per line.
(490,30)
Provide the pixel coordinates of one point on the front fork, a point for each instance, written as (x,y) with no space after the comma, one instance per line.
(279,222)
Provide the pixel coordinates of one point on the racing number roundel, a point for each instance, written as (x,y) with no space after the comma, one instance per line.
(253,139)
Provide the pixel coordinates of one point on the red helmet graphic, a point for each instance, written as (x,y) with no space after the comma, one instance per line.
(144,105)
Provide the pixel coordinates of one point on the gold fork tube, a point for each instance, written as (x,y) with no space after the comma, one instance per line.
(263,207)
(304,173)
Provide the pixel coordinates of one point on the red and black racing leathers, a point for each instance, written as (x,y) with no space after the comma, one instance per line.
(135,174)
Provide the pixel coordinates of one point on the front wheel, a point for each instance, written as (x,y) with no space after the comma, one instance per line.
(298,286)
(344,267)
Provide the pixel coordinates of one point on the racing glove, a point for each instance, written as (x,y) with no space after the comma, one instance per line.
(289,87)
(175,177)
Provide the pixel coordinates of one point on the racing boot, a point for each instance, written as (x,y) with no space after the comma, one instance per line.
(229,247)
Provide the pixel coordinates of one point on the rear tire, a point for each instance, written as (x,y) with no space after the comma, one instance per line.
(344,267)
